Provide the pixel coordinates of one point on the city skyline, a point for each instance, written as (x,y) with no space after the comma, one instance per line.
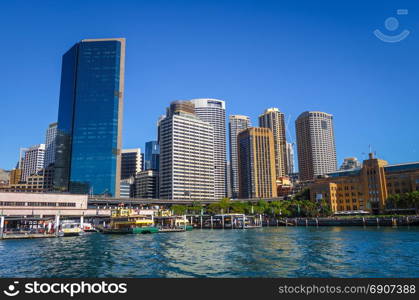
(347,88)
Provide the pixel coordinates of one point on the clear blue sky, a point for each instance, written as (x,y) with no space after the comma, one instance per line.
(294,55)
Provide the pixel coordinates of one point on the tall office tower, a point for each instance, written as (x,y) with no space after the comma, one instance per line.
(33,160)
(273,119)
(186,155)
(236,124)
(213,111)
(315,144)
(146,184)
(290,158)
(151,156)
(89,130)
(131,162)
(50,140)
(228,179)
(257,177)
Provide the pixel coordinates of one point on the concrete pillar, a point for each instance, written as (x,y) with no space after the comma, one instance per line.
(222,220)
(244,221)
(212,223)
(82,222)
(1,226)
(201,221)
(184,220)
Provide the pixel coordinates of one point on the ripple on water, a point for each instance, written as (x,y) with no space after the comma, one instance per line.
(267,252)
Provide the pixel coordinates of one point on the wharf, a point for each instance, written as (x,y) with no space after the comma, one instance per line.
(14,236)
(163,230)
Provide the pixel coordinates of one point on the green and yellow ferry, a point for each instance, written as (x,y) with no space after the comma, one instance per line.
(125,220)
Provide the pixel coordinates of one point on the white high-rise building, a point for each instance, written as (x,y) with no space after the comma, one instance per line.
(290,157)
(315,144)
(33,160)
(186,155)
(50,139)
(213,112)
(236,124)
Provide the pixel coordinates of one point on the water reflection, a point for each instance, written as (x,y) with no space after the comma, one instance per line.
(267,252)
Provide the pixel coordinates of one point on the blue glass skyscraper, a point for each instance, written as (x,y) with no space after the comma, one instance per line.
(89,131)
(151,157)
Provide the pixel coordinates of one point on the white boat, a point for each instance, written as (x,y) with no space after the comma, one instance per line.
(87,227)
(70,228)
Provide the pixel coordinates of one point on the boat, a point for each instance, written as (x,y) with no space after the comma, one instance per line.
(70,228)
(87,227)
(127,221)
(172,223)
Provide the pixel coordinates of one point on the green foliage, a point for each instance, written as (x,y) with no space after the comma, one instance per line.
(179,209)
(402,201)
(298,206)
(195,208)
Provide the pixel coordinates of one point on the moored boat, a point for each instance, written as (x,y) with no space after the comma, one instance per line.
(127,221)
(70,228)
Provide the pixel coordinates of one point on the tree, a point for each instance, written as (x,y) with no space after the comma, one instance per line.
(179,209)
(225,205)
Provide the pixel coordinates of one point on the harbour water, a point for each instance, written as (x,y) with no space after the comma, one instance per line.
(263,252)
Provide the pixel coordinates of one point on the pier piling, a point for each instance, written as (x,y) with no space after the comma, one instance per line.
(1,226)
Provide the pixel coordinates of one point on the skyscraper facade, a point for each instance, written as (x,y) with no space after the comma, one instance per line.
(89,130)
(257,177)
(131,163)
(236,124)
(315,144)
(213,111)
(186,155)
(33,160)
(290,158)
(350,163)
(273,119)
(146,184)
(151,156)
(50,140)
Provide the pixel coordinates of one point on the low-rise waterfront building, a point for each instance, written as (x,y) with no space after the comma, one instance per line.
(366,188)
(42,204)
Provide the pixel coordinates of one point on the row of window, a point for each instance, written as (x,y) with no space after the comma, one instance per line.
(38,204)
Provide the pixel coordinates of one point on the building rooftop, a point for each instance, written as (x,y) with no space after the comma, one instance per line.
(388,168)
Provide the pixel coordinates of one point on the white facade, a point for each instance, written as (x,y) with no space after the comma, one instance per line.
(213,112)
(290,158)
(50,139)
(237,123)
(315,144)
(186,158)
(33,160)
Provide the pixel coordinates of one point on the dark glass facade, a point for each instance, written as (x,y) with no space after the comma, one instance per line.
(151,157)
(90,118)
